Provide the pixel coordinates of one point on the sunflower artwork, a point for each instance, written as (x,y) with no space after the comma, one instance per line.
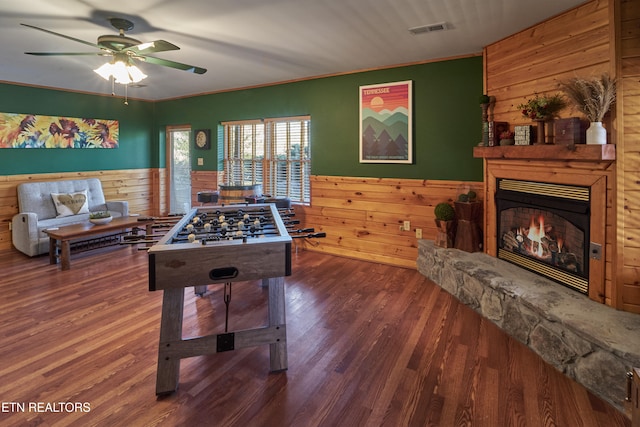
(37,131)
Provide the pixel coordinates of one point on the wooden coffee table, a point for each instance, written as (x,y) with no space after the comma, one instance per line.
(60,238)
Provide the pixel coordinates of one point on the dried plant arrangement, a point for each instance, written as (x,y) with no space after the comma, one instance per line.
(593,97)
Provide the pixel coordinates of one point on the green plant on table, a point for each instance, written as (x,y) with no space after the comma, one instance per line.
(99,214)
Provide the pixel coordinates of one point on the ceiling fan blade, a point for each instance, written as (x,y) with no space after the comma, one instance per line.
(172,64)
(64,36)
(151,47)
(68,53)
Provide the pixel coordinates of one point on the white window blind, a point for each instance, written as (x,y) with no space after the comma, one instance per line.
(244,152)
(275,153)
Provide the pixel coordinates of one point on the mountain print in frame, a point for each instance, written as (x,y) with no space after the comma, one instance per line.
(385,123)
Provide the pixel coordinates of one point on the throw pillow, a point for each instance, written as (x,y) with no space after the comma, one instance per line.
(68,204)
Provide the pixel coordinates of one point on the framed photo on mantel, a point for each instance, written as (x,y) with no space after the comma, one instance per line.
(386,123)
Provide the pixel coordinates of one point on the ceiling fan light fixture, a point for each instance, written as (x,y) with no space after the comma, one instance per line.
(104,70)
(135,74)
(121,72)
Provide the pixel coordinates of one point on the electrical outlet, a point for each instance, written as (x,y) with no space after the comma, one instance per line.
(418,233)
(200,161)
(407,226)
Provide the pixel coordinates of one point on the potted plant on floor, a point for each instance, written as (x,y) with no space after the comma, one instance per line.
(445,221)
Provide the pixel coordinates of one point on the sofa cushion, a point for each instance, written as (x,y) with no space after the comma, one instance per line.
(68,204)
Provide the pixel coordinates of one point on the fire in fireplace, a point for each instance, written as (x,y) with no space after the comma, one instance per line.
(544,228)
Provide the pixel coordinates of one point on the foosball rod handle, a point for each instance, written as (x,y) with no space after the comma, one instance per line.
(303,230)
(310,236)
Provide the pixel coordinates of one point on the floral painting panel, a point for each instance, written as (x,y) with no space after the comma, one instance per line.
(385,123)
(37,131)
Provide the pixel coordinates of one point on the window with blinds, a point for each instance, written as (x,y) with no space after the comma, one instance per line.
(273,152)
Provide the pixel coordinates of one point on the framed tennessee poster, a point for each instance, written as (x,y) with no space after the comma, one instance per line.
(385,123)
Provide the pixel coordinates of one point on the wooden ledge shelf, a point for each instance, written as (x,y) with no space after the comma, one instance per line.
(580,152)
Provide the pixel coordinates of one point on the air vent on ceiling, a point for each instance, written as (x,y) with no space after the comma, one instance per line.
(440,26)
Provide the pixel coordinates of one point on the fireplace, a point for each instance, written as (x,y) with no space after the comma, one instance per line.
(581,167)
(545,228)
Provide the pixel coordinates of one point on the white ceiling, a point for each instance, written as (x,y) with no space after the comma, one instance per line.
(245,43)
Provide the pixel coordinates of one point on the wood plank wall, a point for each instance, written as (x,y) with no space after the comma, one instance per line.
(535,60)
(203,181)
(137,186)
(160,204)
(596,37)
(628,149)
(362,216)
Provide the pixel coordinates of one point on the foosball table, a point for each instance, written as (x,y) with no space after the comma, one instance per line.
(220,245)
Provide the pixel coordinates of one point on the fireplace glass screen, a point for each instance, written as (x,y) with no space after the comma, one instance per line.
(545,228)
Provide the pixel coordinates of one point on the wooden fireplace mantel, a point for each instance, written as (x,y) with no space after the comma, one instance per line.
(579,152)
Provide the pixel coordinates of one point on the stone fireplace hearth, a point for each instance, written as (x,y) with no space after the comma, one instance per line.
(590,342)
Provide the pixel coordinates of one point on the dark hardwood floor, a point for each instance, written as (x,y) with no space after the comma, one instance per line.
(369,345)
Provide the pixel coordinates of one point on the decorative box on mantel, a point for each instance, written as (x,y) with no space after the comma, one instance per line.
(570,131)
(495,129)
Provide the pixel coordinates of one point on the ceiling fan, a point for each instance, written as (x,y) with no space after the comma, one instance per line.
(124,51)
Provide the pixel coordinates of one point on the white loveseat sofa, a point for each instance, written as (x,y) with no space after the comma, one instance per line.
(37,211)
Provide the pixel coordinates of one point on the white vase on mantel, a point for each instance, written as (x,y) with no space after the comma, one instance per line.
(596,134)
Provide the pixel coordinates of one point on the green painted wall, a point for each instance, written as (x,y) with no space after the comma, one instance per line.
(447,118)
(446,121)
(136,144)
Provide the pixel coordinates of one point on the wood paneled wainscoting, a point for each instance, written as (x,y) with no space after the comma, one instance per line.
(362,216)
(140,187)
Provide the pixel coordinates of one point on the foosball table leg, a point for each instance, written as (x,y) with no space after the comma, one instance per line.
(277,319)
(168,374)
